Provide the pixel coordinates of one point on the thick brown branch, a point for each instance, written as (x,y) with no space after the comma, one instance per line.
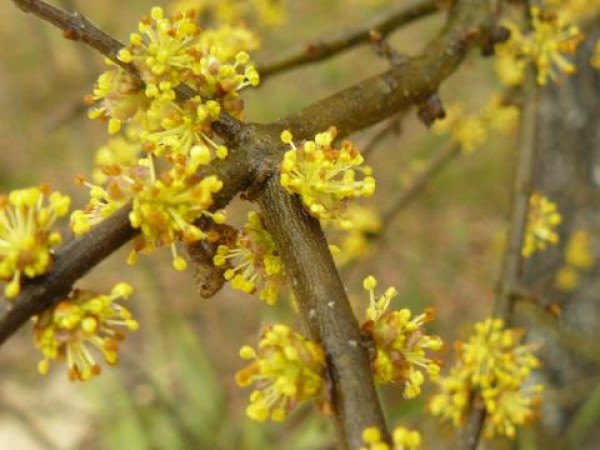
(320,50)
(78,256)
(325,309)
(73,260)
(381,96)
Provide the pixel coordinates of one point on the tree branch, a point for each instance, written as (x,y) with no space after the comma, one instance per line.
(381,96)
(322,49)
(325,309)
(511,267)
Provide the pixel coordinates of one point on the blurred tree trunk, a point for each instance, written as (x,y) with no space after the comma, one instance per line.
(568,172)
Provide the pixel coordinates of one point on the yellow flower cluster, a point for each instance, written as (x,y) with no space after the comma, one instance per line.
(164,209)
(168,51)
(84,320)
(175,137)
(266,12)
(473,130)
(256,264)
(325,177)
(286,369)
(578,257)
(551,38)
(354,243)
(542,222)
(400,342)
(494,365)
(119,151)
(26,238)
(404,439)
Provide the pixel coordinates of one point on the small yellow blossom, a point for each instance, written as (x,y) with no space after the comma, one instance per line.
(256,263)
(400,342)
(286,369)
(164,208)
(567,278)
(118,97)
(325,177)
(578,252)
(550,39)
(542,222)
(168,51)
(361,224)
(118,151)
(185,134)
(404,439)
(494,365)
(71,327)
(578,257)
(230,39)
(26,238)
(473,130)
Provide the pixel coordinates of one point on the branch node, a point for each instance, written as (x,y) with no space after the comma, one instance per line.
(431,110)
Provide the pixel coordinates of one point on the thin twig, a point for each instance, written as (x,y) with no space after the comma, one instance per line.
(510,274)
(471,432)
(322,49)
(521,192)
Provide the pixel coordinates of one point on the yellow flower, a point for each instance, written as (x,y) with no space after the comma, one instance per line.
(164,208)
(494,355)
(171,50)
(84,320)
(509,408)
(542,221)
(495,366)
(118,151)
(404,439)
(26,238)
(453,401)
(119,97)
(578,257)
(286,369)
(256,264)
(325,177)
(184,134)
(545,47)
(473,130)
(401,345)
(578,252)
(361,224)
(567,278)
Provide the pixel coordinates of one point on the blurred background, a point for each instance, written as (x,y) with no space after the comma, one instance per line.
(174,386)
